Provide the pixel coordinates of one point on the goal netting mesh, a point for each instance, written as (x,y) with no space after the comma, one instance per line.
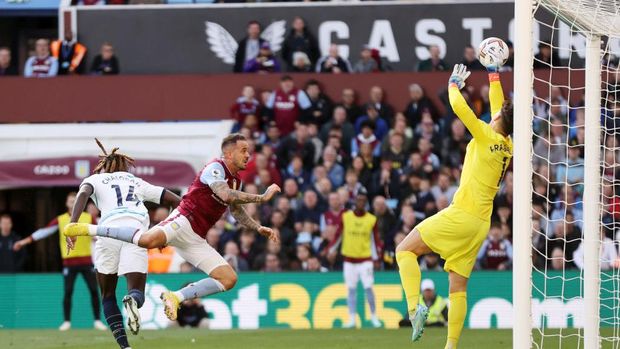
(561,31)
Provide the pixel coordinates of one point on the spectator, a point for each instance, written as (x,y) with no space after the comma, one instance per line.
(546,57)
(349,103)
(276,248)
(6,68)
(366,137)
(551,148)
(396,152)
(258,163)
(264,62)
(333,63)
(430,262)
(400,127)
(335,171)
(454,146)
(470,60)
(379,125)
(11,258)
(437,306)
(69,54)
(428,130)
(566,236)
(557,259)
(248,46)
(444,187)
(296,172)
(247,246)
(299,40)
(41,65)
(366,63)
(332,217)
(231,255)
(386,112)
(271,264)
(608,254)
(418,104)
(244,106)
(192,313)
(287,235)
(301,63)
(496,251)
(386,220)
(386,181)
(214,237)
(434,63)
(292,193)
(314,265)
(105,63)
(304,253)
(287,104)
(310,211)
(339,121)
(320,105)
(297,144)
(430,160)
(571,171)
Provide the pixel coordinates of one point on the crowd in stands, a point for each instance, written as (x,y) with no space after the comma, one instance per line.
(299,54)
(323,149)
(60,57)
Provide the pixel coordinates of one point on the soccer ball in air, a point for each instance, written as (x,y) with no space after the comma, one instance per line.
(493,52)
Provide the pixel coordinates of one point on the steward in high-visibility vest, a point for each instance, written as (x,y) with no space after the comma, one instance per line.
(69,54)
(437,305)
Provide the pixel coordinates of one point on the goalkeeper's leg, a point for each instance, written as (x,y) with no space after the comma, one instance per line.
(457,310)
(407,253)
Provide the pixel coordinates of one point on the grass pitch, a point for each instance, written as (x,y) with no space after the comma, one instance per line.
(267,339)
(273,339)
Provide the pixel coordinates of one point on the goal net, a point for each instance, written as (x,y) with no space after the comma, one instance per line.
(567,160)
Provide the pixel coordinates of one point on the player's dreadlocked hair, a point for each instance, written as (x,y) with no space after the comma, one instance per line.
(112,162)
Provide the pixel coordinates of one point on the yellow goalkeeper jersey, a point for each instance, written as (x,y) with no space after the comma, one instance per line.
(488,154)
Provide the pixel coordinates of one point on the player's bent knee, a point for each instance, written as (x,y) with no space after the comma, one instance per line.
(229,281)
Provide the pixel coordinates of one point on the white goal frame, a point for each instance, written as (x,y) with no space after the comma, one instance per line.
(522,210)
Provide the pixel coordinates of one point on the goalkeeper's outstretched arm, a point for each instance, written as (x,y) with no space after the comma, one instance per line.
(496,93)
(458,103)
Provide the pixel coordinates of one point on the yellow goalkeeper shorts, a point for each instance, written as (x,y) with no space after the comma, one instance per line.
(456,236)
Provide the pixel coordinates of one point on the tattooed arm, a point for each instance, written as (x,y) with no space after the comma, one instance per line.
(236,197)
(245,220)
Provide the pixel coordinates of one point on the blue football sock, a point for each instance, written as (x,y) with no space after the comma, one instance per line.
(119,233)
(115,321)
(137,295)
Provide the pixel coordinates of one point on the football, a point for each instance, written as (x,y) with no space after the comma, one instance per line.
(493,52)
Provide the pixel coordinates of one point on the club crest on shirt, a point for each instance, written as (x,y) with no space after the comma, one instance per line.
(175,225)
(216,173)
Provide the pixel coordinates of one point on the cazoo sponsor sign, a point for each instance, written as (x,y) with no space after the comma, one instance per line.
(297,300)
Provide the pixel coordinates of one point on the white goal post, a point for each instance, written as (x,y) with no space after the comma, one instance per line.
(593,28)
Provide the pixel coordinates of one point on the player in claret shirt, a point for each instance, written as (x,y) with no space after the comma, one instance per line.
(216,188)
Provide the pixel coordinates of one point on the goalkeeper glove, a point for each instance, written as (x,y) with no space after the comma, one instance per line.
(459,75)
(493,67)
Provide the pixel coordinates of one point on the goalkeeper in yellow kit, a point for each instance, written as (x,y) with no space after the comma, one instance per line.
(457,232)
